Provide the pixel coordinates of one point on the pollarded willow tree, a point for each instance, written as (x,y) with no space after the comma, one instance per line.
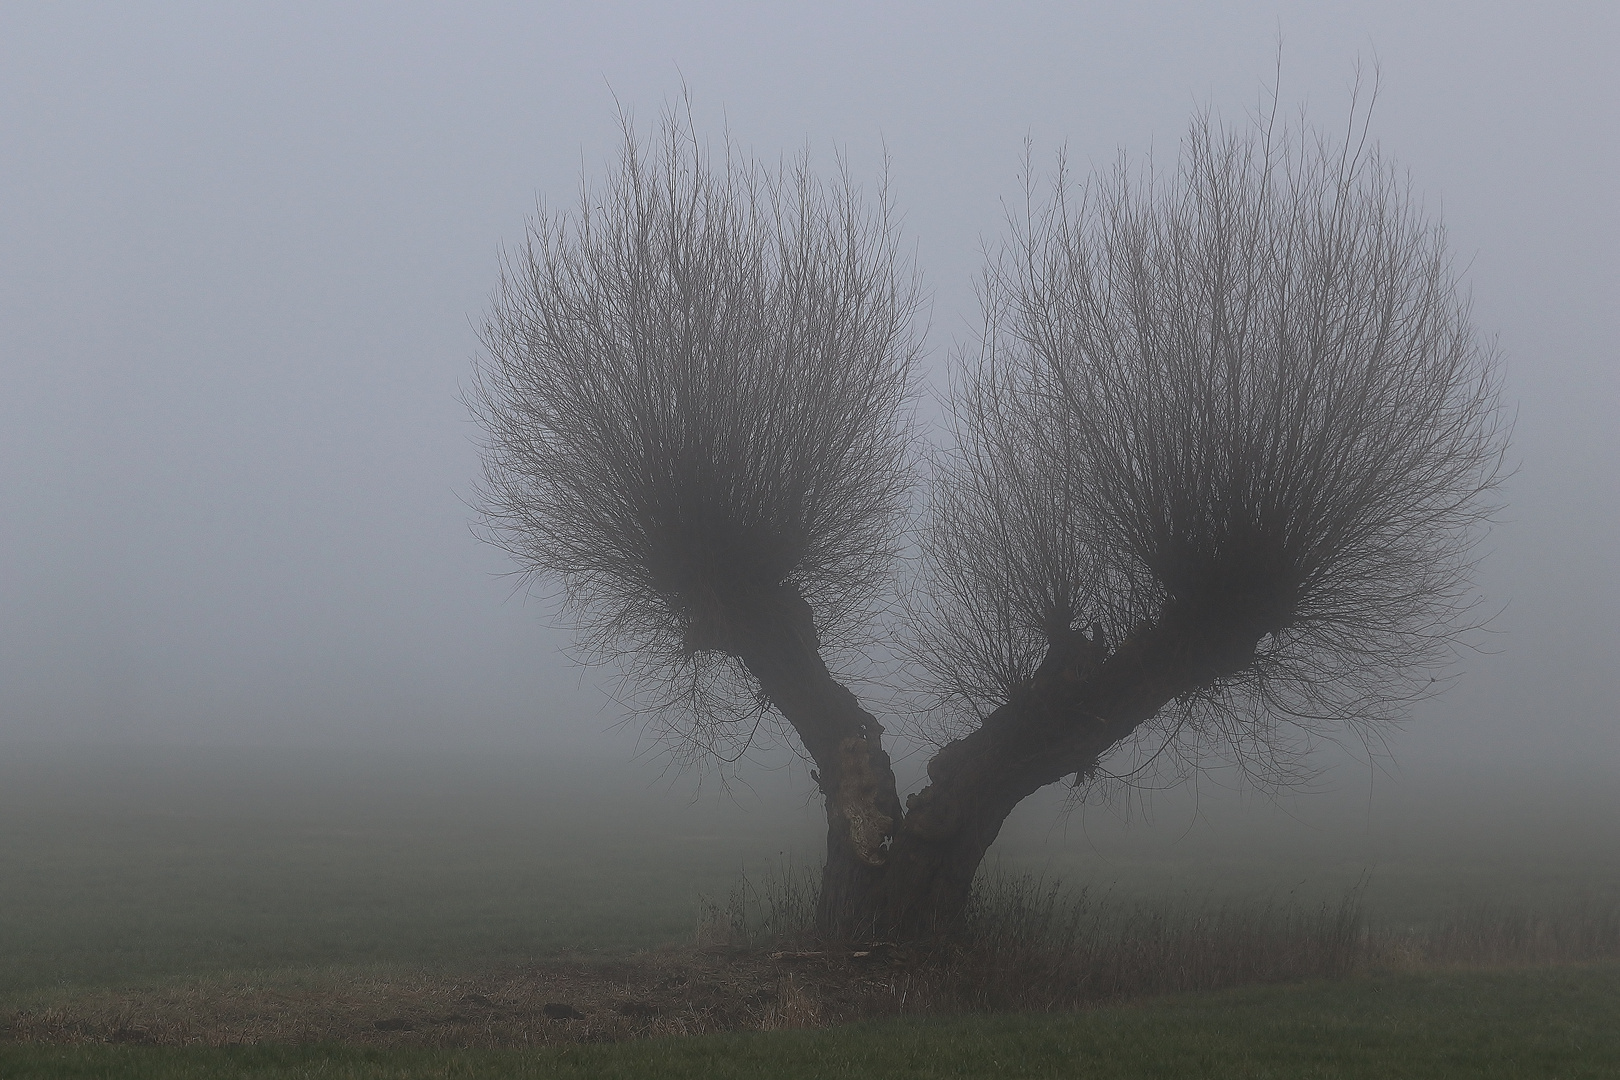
(1219,462)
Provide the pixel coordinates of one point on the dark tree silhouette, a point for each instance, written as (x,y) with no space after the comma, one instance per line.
(1220,460)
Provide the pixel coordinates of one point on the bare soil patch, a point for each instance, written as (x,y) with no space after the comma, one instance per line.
(572,1000)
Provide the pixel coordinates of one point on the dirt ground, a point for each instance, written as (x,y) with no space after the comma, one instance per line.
(581,1000)
(1014,962)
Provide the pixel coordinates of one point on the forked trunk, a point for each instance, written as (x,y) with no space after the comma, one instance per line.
(908,873)
(928,884)
(921,890)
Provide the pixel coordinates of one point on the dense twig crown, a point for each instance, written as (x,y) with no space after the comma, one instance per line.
(695,391)
(1249,393)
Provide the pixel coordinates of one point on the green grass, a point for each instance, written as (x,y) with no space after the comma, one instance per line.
(145,866)
(127,867)
(1427,847)
(1555,1022)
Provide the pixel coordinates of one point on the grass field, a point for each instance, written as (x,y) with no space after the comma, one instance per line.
(135,865)
(148,875)
(1559,1022)
(118,868)
(148,863)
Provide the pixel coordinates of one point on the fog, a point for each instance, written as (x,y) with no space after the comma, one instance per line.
(246,249)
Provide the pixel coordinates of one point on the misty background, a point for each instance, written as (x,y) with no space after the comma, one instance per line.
(244,251)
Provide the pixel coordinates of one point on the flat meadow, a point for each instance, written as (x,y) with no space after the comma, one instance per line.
(215,911)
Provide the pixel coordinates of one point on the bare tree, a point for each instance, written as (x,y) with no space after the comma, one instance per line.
(696,398)
(1221,456)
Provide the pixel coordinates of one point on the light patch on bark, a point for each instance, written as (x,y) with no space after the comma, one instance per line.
(856,798)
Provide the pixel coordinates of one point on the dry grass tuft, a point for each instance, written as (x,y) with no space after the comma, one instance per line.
(1494,935)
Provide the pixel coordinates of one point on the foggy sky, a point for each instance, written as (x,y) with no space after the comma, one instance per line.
(244,249)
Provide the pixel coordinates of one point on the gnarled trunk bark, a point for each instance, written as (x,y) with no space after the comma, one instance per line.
(1081,703)
(780,648)
(908,872)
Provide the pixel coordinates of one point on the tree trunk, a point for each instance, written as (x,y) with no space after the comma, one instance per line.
(780,648)
(908,873)
(1080,704)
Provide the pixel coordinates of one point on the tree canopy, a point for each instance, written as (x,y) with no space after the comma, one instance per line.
(1216,468)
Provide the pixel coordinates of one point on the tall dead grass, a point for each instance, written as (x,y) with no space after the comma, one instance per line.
(1498,935)
(1030,943)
